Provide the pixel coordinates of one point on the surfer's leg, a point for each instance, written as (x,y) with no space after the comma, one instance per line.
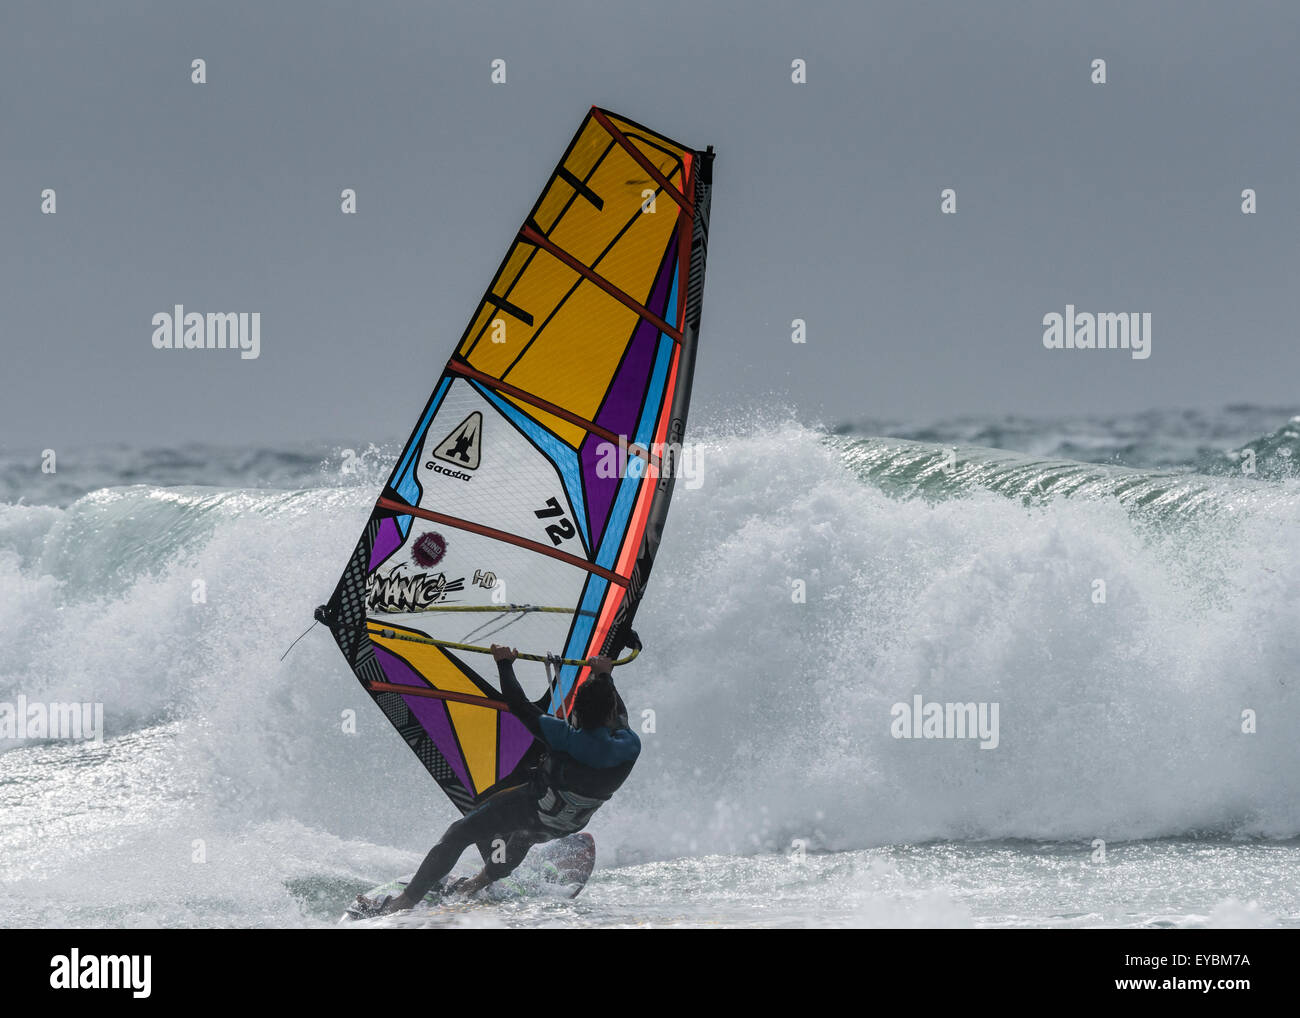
(517,846)
(497,817)
(491,849)
(441,858)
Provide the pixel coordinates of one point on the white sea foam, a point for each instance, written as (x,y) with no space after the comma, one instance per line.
(1118,721)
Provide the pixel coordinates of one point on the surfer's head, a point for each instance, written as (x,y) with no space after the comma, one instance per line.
(594,704)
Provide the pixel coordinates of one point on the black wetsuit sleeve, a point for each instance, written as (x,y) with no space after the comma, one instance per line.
(620,710)
(520,706)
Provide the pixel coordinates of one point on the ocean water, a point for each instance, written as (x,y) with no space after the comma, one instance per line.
(957,561)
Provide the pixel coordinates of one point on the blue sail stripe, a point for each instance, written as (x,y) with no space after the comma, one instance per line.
(620,512)
(628,486)
(406,484)
(580,637)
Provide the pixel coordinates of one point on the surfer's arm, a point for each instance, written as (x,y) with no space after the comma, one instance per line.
(520,706)
(605,665)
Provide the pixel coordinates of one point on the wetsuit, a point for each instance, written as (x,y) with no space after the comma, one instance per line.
(582,768)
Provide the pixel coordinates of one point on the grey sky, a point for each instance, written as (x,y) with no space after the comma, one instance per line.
(225,196)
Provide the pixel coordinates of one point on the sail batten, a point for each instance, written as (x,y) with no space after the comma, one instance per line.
(533,475)
(499,535)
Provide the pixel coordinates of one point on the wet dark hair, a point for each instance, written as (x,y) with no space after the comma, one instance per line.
(595,701)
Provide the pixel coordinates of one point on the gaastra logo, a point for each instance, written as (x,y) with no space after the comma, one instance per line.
(398,592)
(460,448)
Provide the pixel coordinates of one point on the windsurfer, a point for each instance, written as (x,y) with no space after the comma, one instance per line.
(586,759)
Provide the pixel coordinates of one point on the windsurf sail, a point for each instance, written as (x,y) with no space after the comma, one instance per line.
(528,504)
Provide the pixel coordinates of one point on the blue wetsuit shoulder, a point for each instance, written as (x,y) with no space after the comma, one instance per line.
(591,747)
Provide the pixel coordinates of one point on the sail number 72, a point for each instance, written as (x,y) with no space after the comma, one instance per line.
(562,529)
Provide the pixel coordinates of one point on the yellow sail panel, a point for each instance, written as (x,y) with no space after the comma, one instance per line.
(658,150)
(573,360)
(536,292)
(492,325)
(594,208)
(544,326)
(622,224)
(431,662)
(632,263)
(579,332)
(476,728)
(592,145)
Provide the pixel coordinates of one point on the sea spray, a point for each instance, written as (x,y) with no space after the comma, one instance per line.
(771,714)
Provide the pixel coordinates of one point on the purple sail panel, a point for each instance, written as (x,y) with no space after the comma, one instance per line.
(387,541)
(622,406)
(429,711)
(514,741)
